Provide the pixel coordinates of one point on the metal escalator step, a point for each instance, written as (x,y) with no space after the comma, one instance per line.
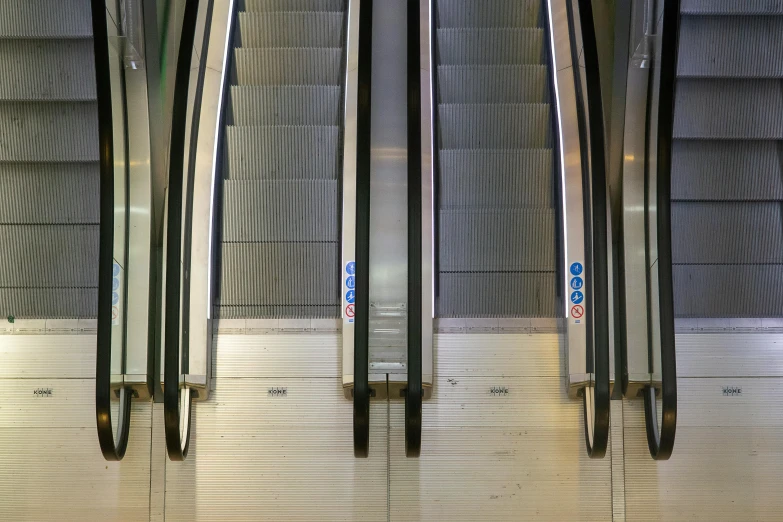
(285,29)
(732,7)
(489,240)
(488,13)
(728,290)
(493,84)
(49,303)
(49,255)
(530,294)
(45,19)
(49,132)
(314,66)
(287,105)
(271,211)
(46,70)
(731,47)
(41,193)
(490,46)
(727,170)
(300,278)
(497,178)
(265,6)
(282,152)
(729,109)
(495,126)
(727,232)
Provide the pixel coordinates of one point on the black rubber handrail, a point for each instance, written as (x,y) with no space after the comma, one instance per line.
(414,390)
(111,449)
(177,423)
(661,441)
(361,385)
(599,277)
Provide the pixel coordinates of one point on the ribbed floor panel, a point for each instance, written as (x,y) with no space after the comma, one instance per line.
(289,66)
(731,47)
(488,13)
(41,19)
(59,132)
(282,152)
(47,70)
(272,211)
(49,303)
(289,105)
(727,161)
(281,194)
(39,193)
(266,6)
(49,255)
(291,29)
(497,239)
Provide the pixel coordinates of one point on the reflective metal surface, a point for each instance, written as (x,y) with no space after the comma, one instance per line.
(572,209)
(427,196)
(349,188)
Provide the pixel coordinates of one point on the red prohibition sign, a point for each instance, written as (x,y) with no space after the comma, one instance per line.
(349,311)
(577,311)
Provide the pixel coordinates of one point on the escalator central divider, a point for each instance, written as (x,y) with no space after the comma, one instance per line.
(361,387)
(414,390)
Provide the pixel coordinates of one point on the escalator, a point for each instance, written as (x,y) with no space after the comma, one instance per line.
(727,162)
(280,231)
(49,211)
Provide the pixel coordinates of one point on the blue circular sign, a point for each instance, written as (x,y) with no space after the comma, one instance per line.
(577,297)
(577,283)
(115,284)
(350,282)
(350,296)
(115,298)
(350,268)
(576,269)
(116,270)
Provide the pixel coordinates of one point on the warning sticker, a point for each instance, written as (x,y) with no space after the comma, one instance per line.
(350,312)
(577,311)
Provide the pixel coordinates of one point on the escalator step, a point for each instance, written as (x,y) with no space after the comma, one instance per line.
(729,109)
(292,279)
(731,47)
(488,13)
(732,7)
(49,303)
(49,256)
(285,29)
(728,290)
(265,6)
(727,232)
(488,240)
(47,70)
(529,294)
(496,179)
(321,66)
(271,211)
(45,19)
(726,170)
(518,46)
(286,105)
(495,126)
(493,84)
(282,152)
(49,132)
(40,193)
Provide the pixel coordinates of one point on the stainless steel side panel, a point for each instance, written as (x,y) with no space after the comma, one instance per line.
(571,186)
